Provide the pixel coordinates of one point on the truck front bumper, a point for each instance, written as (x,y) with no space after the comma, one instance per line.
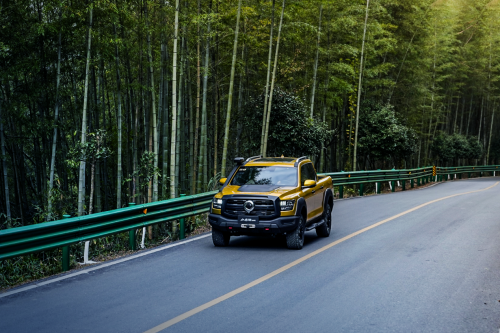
(278,225)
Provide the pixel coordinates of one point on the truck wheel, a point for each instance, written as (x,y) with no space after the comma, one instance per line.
(324,229)
(220,238)
(295,239)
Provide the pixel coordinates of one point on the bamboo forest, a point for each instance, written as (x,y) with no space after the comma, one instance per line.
(109,102)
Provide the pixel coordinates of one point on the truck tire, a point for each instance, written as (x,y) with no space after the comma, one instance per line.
(324,229)
(295,238)
(220,239)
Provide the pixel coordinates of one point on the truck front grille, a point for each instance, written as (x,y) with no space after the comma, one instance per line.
(263,207)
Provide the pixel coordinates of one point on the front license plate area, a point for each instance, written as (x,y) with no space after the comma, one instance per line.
(248,219)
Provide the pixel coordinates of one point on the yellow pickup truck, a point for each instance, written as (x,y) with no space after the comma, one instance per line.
(272,196)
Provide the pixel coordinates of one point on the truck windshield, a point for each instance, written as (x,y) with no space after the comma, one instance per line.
(265,175)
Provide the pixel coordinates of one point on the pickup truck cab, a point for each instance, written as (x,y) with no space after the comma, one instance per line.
(272,196)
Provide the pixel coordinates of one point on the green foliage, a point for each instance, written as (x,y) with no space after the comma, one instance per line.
(145,171)
(291,131)
(382,135)
(447,148)
(92,149)
(30,267)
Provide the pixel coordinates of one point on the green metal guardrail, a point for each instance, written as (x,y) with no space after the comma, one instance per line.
(62,233)
(480,169)
(33,238)
(377,176)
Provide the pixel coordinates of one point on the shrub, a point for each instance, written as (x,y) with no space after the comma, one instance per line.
(291,131)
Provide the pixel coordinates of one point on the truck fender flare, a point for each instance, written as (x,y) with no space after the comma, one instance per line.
(301,203)
(328,195)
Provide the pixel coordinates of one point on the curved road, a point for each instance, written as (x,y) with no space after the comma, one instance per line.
(398,262)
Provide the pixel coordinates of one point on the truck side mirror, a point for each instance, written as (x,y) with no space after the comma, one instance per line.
(309,183)
(222,181)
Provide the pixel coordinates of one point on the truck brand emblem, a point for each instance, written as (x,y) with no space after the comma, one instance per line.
(249,206)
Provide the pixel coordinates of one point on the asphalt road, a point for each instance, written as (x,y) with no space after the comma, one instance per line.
(433,269)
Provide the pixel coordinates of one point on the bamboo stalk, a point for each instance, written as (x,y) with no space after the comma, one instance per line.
(81,177)
(268,116)
(359,88)
(230,96)
(264,117)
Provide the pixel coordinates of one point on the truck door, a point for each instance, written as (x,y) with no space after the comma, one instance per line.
(313,197)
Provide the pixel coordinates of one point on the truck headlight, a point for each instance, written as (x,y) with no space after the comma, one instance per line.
(287,205)
(217,203)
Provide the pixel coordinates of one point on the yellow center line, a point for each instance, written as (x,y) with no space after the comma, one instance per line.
(266,277)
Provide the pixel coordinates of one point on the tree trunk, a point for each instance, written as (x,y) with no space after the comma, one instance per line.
(197,116)
(462,116)
(165,130)
(268,116)
(491,131)
(161,89)
(316,64)
(230,96)
(216,120)
(153,109)
(179,121)
(264,116)
(359,88)
(202,161)
(480,120)
(456,115)
(468,118)
(119,127)
(81,178)
(4,166)
(92,172)
(427,151)
(173,141)
(240,103)
(54,137)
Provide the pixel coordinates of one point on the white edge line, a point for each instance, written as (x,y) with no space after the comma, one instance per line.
(90,269)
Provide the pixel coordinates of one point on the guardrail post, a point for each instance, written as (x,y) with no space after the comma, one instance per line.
(341,191)
(181,225)
(412,183)
(460,176)
(65,252)
(379,185)
(468,176)
(403,185)
(393,186)
(418,182)
(131,233)
(361,189)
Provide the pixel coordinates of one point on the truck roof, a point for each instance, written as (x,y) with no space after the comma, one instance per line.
(274,161)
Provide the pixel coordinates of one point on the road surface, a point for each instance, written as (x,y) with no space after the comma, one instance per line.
(425,260)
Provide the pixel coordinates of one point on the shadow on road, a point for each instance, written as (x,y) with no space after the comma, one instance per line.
(268,242)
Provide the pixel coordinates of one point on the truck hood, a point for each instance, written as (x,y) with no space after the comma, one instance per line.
(274,190)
